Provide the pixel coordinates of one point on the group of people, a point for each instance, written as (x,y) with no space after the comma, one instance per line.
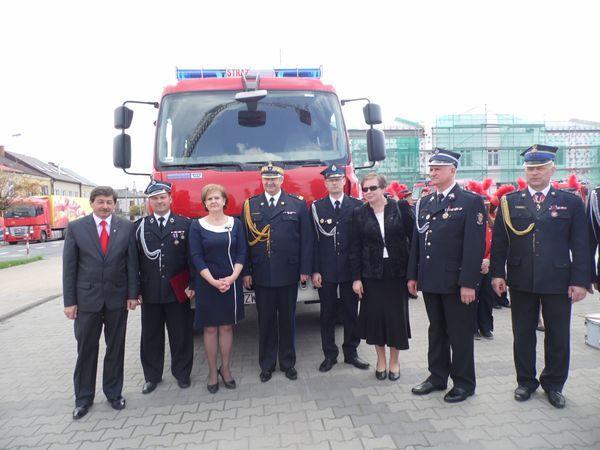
(369,256)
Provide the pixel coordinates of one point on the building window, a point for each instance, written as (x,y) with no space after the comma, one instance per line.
(493,157)
(44,190)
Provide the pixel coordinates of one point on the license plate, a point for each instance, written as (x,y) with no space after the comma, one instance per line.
(249,298)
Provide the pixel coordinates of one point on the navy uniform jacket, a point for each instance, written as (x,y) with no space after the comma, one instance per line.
(448,255)
(330,260)
(291,241)
(540,261)
(594,234)
(173,241)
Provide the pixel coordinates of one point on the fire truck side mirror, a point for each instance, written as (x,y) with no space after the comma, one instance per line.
(372,113)
(375,145)
(122,151)
(123,117)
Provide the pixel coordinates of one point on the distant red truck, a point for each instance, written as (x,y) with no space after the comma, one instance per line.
(42,218)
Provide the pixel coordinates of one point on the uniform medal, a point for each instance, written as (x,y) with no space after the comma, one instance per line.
(445,215)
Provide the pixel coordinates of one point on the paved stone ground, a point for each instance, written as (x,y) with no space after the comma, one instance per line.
(343,409)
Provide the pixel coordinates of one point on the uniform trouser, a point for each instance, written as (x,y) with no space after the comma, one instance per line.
(276,308)
(328,298)
(450,329)
(178,318)
(482,314)
(88,328)
(556,310)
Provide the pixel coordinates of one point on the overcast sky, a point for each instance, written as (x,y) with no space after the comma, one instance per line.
(66,65)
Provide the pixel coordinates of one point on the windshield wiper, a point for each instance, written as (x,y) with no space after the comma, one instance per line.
(305,162)
(223,164)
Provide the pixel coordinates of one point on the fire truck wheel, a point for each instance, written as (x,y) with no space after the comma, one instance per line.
(43,236)
(13,243)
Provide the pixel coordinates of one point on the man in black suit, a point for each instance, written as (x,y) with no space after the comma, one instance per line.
(541,234)
(100,283)
(593,213)
(279,233)
(162,240)
(446,254)
(332,219)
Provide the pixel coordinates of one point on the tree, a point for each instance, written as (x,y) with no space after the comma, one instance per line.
(135,211)
(14,185)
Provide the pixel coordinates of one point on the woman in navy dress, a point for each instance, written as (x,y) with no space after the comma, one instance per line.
(218,250)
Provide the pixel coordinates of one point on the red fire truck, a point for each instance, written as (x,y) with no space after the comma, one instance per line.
(221,126)
(42,218)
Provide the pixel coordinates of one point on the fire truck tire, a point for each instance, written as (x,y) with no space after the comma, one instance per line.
(12,243)
(43,236)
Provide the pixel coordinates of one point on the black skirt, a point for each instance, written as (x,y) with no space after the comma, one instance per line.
(383,317)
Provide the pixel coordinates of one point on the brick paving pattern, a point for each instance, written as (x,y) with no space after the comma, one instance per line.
(345,408)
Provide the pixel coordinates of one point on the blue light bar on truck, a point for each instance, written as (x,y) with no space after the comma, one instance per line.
(186,74)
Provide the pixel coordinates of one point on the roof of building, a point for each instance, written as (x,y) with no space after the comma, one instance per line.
(13,166)
(51,170)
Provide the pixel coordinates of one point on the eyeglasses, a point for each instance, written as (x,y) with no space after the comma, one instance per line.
(370,188)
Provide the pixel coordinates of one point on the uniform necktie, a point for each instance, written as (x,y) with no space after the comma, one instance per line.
(336,208)
(440,198)
(538,198)
(104,237)
(271,202)
(161,224)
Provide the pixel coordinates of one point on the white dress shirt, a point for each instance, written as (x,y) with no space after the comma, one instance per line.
(99,227)
(275,197)
(543,191)
(447,191)
(166,216)
(333,200)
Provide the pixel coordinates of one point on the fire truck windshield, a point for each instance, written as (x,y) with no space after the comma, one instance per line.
(212,128)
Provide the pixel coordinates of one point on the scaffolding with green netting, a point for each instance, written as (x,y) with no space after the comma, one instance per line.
(403,142)
(491,144)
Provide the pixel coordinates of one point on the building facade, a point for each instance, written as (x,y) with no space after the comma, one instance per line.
(491,145)
(404,141)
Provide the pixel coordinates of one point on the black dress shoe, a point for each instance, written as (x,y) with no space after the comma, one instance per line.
(149,386)
(291,374)
(393,376)
(488,335)
(381,375)
(79,412)
(497,306)
(556,399)
(456,395)
(522,393)
(117,403)
(228,384)
(426,387)
(184,384)
(265,375)
(477,336)
(357,362)
(327,364)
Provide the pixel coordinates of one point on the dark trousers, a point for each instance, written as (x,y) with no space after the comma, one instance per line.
(88,328)
(276,308)
(349,300)
(556,310)
(482,314)
(450,329)
(178,318)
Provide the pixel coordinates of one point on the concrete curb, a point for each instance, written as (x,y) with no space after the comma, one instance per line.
(22,309)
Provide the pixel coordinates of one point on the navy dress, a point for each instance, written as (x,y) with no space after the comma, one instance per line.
(218,249)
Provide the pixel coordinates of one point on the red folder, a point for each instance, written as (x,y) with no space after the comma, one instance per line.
(179,283)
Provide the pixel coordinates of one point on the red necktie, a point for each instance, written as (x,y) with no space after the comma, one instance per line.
(104,237)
